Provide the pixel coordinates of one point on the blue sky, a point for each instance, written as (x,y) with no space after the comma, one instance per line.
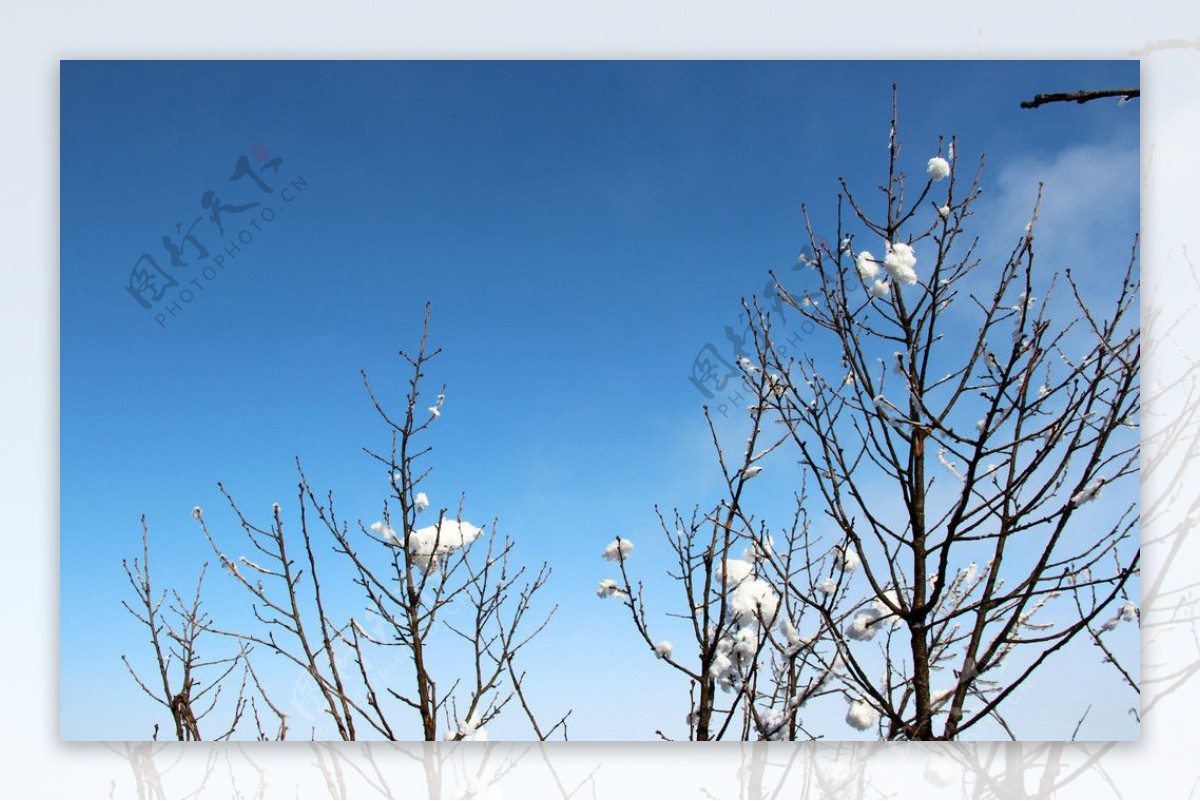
(581,230)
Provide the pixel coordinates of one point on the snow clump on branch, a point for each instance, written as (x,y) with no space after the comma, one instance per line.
(609,589)
(384,530)
(880,605)
(1127,613)
(868,621)
(427,546)
(846,557)
(734,571)
(469,730)
(1088,493)
(866,265)
(618,550)
(938,168)
(754,600)
(862,628)
(861,715)
(899,263)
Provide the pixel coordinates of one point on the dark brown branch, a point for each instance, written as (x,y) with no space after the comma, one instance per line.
(1082,96)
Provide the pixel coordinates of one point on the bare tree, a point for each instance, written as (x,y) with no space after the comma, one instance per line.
(426,572)
(183,683)
(419,591)
(957,431)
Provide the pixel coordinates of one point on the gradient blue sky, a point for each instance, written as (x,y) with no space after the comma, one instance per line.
(581,229)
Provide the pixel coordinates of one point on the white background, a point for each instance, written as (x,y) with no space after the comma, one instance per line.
(35,37)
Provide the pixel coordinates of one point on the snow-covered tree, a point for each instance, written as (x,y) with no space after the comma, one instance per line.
(442,610)
(968,432)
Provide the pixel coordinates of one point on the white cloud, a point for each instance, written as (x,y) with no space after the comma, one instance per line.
(1089,210)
